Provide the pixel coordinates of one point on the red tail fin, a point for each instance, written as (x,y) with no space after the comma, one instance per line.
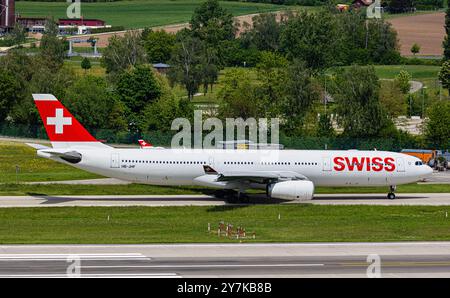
(144,144)
(62,128)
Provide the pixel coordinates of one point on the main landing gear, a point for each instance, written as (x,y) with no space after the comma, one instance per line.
(232,196)
(391,194)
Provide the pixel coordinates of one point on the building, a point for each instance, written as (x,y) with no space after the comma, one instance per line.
(8,20)
(82,22)
(80,26)
(66,26)
(162,68)
(34,25)
(7,14)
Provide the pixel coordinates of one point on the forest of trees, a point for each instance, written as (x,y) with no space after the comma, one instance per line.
(278,68)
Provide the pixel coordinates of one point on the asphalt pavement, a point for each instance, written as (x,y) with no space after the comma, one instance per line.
(408,259)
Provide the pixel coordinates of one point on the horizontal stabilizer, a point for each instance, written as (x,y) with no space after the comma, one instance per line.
(69,156)
(37,146)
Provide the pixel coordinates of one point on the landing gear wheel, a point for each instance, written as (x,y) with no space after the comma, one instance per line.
(220,194)
(391,196)
(231,196)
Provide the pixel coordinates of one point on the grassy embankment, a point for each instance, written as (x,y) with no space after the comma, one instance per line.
(31,167)
(298,223)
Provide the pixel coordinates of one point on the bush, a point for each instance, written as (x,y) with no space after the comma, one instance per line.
(420,61)
(105,30)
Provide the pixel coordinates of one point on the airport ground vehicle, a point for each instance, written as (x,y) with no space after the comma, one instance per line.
(425,155)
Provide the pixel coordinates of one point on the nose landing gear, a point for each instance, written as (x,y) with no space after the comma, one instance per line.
(391,194)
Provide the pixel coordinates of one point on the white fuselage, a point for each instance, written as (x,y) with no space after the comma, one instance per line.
(186,166)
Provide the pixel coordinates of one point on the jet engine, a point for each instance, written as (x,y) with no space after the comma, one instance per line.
(291,190)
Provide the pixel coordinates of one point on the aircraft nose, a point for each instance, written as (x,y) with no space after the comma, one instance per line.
(427,171)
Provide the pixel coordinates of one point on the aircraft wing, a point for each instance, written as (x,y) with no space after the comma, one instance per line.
(254,175)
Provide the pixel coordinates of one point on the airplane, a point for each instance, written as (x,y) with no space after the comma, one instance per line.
(283,174)
(145,145)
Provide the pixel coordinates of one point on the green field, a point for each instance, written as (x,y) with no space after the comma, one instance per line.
(138,13)
(298,223)
(33,168)
(75,64)
(418,72)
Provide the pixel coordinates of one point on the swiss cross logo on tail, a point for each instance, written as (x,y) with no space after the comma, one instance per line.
(144,144)
(59,121)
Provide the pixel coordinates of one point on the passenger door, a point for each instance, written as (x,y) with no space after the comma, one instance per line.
(400,165)
(326,162)
(115,161)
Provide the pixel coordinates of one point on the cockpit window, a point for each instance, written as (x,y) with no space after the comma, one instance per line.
(419,163)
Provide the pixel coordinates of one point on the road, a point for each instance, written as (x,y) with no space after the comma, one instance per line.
(437,199)
(420,259)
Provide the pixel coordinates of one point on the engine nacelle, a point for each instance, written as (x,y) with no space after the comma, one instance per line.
(292,190)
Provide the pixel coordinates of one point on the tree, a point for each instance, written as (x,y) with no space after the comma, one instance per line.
(160,114)
(53,49)
(301,93)
(238,96)
(9,91)
(86,64)
(312,38)
(325,127)
(212,23)
(400,6)
(382,42)
(415,49)
(136,88)
(18,34)
(187,64)
(437,130)
(286,91)
(210,69)
(444,75)
(93,105)
(403,81)
(158,45)
(446,43)
(393,99)
(272,75)
(265,33)
(358,106)
(123,53)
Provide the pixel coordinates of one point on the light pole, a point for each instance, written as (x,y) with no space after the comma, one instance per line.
(410,106)
(423,100)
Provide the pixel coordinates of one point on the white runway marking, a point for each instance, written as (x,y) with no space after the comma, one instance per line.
(95,275)
(63,257)
(207,266)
